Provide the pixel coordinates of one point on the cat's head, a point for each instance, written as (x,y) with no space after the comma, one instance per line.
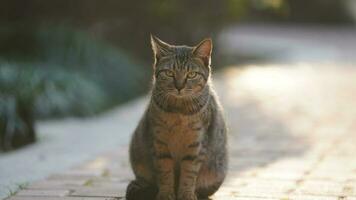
(181,70)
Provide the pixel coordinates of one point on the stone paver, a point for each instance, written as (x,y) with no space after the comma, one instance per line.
(292,137)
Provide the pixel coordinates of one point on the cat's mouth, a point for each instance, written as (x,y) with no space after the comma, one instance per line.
(180,94)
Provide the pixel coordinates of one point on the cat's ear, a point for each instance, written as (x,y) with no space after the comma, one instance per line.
(159,47)
(203,50)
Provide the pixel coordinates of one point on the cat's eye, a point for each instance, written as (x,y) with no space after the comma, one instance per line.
(192,74)
(168,73)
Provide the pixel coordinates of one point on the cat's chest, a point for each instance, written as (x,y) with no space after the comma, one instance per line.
(178,131)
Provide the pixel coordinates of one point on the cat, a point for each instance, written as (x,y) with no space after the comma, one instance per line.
(178,150)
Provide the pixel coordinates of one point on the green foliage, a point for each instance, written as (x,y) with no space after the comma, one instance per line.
(80,75)
(26,93)
(62,73)
(66,94)
(16,109)
(16,123)
(51,92)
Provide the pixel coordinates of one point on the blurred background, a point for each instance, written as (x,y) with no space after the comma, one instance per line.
(79,58)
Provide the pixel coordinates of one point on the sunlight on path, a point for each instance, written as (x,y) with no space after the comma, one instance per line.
(291,131)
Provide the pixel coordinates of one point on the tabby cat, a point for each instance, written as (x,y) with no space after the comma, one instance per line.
(178,151)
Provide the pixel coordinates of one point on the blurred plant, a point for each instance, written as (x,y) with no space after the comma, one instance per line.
(114,70)
(16,123)
(62,48)
(26,92)
(16,109)
(61,73)
(68,94)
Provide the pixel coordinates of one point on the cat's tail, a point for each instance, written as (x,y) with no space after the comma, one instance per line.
(141,190)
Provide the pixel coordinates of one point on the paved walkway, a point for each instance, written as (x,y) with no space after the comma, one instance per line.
(292,136)
(65,143)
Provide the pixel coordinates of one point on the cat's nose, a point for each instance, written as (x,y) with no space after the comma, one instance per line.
(179,85)
(179,88)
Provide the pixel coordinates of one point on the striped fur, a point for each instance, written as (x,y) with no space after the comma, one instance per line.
(178,150)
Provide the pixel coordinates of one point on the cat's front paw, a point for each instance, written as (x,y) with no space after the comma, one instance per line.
(187,196)
(165,196)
